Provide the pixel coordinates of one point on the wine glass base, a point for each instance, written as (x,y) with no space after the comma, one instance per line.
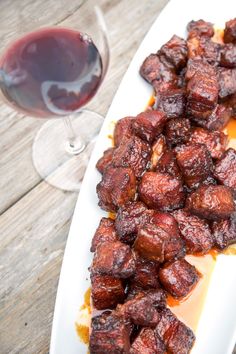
(55,161)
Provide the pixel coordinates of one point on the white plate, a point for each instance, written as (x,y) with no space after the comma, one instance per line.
(217,329)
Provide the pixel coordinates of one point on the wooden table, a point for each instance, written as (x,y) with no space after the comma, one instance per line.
(35,217)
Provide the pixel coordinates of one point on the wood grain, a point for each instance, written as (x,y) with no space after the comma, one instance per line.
(35,217)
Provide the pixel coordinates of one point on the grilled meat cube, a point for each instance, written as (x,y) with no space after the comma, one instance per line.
(157,150)
(172,102)
(118,186)
(123,129)
(134,153)
(161,191)
(202,91)
(105,233)
(177,337)
(105,160)
(109,334)
(195,163)
(178,277)
(129,218)
(147,342)
(211,202)
(155,244)
(107,291)
(218,119)
(115,259)
(228,56)
(167,222)
(178,131)
(146,274)
(175,51)
(200,28)
(198,65)
(224,232)
(230,31)
(149,124)
(214,141)
(154,69)
(225,169)
(168,164)
(230,103)
(227,82)
(158,295)
(140,311)
(195,232)
(205,49)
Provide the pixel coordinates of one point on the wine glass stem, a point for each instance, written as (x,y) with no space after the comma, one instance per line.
(74,144)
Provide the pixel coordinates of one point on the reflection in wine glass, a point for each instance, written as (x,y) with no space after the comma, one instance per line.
(52,73)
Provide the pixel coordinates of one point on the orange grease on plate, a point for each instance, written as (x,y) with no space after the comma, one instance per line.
(111,215)
(230,130)
(189,309)
(82,329)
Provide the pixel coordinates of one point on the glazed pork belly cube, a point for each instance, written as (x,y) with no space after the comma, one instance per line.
(195,163)
(158,296)
(218,119)
(172,102)
(109,334)
(140,311)
(198,65)
(156,70)
(118,186)
(227,82)
(105,233)
(146,274)
(123,129)
(230,31)
(175,51)
(129,218)
(158,148)
(156,244)
(225,169)
(178,338)
(228,55)
(214,141)
(168,164)
(167,222)
(211,202)
(115,259)
(147,342)
(149,124)
(178,131)
(161,191)
(204,48)
(224,232)
(195,232)
(202,95)
(107,291)
(178,277)
(105,160)
(134,153)
(200,28)
(230,103)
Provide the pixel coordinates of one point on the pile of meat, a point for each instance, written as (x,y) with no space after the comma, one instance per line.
(171,181)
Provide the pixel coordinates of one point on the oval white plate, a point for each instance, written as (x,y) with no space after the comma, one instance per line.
(217,328)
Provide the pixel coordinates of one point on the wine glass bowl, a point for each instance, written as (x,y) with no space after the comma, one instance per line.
(52,72)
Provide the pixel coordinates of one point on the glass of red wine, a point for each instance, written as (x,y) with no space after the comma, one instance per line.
(53,72)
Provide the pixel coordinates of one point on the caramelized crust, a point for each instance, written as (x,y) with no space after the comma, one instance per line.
(211,202)
(161,191)
(225,169)
(105,233)
(117,187)
(123,129)
(149,124)
(147,342)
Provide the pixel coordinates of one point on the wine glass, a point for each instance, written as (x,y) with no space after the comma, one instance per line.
(51,69)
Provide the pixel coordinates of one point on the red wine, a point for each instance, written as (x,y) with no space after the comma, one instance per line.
(50,72)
